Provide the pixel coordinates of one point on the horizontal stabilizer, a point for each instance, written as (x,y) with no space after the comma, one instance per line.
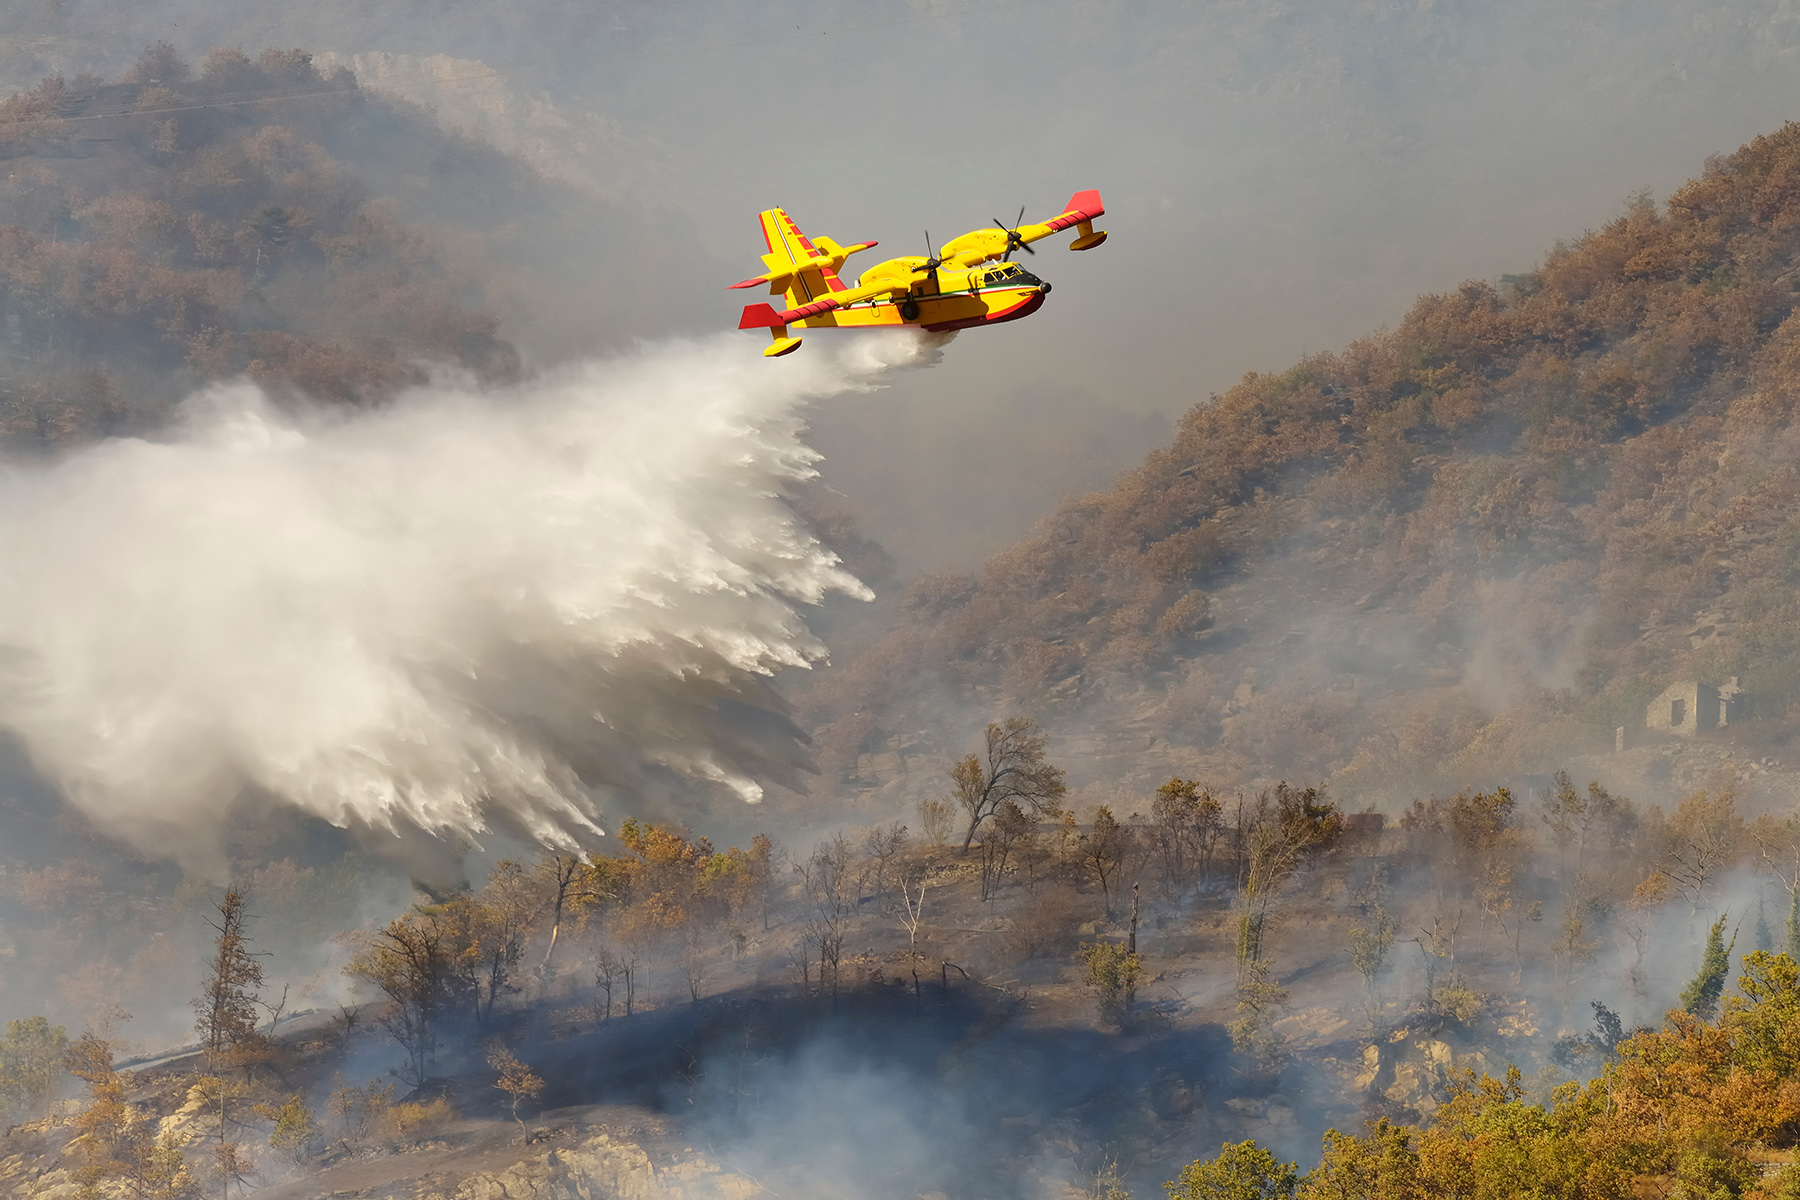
(826,257)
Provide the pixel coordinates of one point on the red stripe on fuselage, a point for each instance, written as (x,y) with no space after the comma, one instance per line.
(1023,308)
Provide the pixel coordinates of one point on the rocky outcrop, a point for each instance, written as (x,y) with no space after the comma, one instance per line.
(596,1168)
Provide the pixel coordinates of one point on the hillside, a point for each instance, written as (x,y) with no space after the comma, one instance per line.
(1460,550)
(901,1017)
(260,217)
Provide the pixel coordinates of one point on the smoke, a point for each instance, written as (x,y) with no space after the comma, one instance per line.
(468,609)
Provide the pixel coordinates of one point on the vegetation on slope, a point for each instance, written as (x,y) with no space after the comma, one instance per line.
(259,218)
(1519,915)
(1592,464)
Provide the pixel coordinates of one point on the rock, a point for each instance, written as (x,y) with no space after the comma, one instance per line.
(1371,1067)
(1517,1025)
(1170,1096)
(1410,1083)
(599,1166)
(1437,1054)
(1244,1106)
(1313,1025)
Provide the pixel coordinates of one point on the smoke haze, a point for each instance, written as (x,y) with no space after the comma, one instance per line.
(1281,178)
(411,618)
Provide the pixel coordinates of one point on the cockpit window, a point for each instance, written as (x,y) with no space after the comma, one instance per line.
(1011,275)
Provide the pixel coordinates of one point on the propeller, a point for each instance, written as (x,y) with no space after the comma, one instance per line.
(932,261)
(1013,240)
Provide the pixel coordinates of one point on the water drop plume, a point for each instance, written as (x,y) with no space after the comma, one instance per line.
(469,608)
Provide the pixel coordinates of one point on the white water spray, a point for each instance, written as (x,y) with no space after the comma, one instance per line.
(465,609)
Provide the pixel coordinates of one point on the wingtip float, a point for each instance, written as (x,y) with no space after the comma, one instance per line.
(954,287)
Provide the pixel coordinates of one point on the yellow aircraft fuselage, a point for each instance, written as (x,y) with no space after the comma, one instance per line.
(964,286)
(952,299)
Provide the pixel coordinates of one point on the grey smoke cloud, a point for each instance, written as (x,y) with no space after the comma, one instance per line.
(468,609)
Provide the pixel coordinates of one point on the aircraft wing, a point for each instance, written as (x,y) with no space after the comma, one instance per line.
(985,245)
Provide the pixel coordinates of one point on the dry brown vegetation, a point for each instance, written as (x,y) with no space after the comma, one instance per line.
(196,225)
(251,216)
(1514,913)
(1477,542)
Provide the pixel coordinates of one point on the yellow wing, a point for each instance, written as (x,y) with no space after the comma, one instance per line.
(985,245)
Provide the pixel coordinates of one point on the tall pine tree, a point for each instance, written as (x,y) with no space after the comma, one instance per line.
(1700,998)
(226,1009)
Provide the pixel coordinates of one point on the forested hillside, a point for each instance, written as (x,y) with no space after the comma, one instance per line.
(1465,547)
(256,217)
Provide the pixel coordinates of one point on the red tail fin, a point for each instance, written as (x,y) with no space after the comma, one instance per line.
(1087,203)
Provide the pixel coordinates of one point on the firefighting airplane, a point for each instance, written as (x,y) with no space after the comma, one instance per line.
(953,288)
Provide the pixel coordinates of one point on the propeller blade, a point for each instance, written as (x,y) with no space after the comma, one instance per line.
(1013,240)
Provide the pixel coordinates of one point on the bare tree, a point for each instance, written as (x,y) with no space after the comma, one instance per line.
(1705,838)
(1009,826)
(608,969)
(694,941)
(1103,850)
(914,900)
(1779,844)
(883,844)
(934,820)
(828,879)
(1014,769)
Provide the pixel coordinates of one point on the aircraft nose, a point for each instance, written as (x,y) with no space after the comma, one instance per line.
(1044,288)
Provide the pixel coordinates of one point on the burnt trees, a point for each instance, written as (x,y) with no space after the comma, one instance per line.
(828,883)
(413,963)
(1103,849)
(226,1009)
(1186,821)
(1706,837)
(1009,827)
(1012,769)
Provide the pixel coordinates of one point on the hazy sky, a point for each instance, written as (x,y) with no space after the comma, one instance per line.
(1280,177)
